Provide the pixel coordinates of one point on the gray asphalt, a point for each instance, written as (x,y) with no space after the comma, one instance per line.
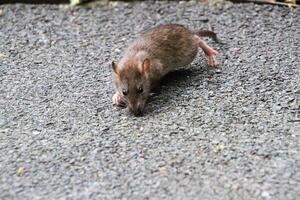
(227,133)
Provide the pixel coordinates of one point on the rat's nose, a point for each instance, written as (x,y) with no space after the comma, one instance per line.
(136,109)
(137,112)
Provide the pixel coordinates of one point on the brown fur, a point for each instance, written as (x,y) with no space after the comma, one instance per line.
(151,56)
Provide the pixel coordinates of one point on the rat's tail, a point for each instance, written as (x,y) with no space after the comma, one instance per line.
(207,33)
(211,34)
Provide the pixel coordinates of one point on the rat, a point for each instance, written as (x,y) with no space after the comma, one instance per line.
(151,56)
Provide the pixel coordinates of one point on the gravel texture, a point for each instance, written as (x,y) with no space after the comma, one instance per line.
(227,133)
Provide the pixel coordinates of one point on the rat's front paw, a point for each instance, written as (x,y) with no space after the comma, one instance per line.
(117,100)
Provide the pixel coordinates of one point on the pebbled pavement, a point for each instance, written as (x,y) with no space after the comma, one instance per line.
(227,133)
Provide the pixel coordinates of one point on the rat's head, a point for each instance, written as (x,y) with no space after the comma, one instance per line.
(132,82)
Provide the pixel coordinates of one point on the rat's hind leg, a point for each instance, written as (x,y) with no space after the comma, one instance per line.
(117,100)
(210,53)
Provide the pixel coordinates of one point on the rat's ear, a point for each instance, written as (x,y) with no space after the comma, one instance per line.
(145,65)
(115,67)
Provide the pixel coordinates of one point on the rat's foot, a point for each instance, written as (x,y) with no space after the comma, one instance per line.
(210,53)
(117,100)
(211,60)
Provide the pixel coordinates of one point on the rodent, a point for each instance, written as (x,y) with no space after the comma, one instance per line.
(152,55)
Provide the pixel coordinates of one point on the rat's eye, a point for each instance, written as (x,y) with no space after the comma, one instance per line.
(140,90)
(125,92)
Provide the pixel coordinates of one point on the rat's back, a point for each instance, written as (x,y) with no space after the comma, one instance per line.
(172,44)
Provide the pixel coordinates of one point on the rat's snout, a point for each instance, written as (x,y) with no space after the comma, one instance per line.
(137,112)
(136,108)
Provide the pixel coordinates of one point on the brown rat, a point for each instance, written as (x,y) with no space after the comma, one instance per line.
(151,56)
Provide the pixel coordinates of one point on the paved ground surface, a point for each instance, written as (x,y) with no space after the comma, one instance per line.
(231,133)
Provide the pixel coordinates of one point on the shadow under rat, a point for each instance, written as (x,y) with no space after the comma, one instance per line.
(173,86)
